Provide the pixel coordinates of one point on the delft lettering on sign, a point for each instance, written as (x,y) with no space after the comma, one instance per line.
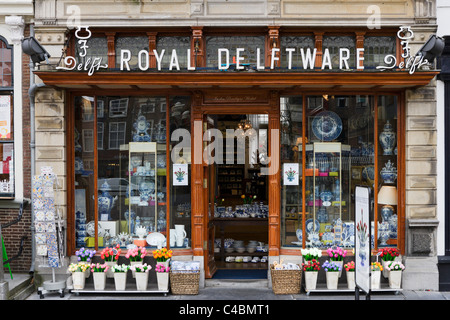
(308,58)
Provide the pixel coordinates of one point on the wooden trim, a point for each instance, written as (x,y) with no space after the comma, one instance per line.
(401,167)
(396,78)
(95,173)
(111,41)
(375,165)
(70,158)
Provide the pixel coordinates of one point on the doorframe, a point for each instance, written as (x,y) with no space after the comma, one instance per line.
(233,102)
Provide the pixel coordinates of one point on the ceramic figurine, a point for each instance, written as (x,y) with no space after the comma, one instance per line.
(387,139)
(142,126)
(389,173)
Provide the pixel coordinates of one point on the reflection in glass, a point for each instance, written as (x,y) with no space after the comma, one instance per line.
(387,223)
(291,124)
(180,195)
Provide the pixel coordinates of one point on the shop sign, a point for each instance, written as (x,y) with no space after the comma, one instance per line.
(308,57)
(362,243)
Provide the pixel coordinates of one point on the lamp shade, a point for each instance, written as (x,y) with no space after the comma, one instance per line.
(387,195)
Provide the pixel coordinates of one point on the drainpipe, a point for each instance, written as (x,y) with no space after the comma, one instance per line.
(31,95)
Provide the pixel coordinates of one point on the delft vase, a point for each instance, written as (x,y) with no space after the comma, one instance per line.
(322,215)
(387,139)
(389,173)
(105,201)
(386,213)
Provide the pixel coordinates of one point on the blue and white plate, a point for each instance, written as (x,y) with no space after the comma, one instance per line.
(312,226)
(327,126)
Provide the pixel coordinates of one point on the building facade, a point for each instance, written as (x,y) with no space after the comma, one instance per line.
(129,82)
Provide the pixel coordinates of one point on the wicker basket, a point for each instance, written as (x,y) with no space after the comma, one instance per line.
(184,282)
(286,281)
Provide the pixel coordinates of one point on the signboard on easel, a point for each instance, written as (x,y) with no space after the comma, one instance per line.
(362,239)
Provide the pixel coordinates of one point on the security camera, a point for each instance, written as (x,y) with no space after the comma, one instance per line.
(33,48)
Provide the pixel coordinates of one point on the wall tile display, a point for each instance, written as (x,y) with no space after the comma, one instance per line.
(46,237)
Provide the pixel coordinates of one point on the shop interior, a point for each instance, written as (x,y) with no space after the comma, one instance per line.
(241,193)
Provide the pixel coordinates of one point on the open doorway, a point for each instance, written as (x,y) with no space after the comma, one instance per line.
(239,200)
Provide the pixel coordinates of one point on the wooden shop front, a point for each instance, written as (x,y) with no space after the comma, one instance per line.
(285,101)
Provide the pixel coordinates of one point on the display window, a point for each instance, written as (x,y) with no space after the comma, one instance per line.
(329,145)
(122,161)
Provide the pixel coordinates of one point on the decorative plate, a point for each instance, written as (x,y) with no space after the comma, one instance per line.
(155,239)
(310,225)
(327,126)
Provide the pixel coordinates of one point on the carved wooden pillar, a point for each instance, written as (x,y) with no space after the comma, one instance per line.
(273,42)
(360,45)
(274,177)
(110,38)
(198,47)
(151,47)
(198,216)
(319,46)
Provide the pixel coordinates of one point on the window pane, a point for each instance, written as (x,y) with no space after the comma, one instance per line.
(291,124)
(6,170)
(376,48)
(297,43)
(387,165)
(339,156)
(249,43)
(98,48)
(134,44)
(180,44)
(333,44)
(180,195)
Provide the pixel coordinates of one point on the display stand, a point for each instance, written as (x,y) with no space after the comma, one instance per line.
(49,229)
(110,289)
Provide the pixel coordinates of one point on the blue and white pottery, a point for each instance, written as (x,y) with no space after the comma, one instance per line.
(299,234)
(327,126)
(388,139)
(393,226)
(141,126)
(386,213)
(105,201)
(322,215)
(389,172)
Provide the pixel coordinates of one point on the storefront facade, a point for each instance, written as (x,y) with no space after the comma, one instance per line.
(119,134)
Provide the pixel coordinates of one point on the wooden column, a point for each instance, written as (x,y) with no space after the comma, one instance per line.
(274,178)
(151,47)
(198,57)
(360,45)
(110,38)
(273,41)
(319,45)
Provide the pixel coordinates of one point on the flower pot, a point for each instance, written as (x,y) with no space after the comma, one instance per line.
(375,278)
(110,273)
(132,263)
(163,281)
(99,280)
(341,262)
(332,280)
(310,280)
(79,280)
(351,280)
(120,280)
(395,279)
(141,280)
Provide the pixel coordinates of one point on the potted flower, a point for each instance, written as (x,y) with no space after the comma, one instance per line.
(387,255)
(332,269)
(141,275)
(78,271)
(162,255)
(375,274)
(85,256)
(120,275)
(395,269)
(313,253)
(110,256)
(337,255)
(162,276)
(350,271)
(311,269)
(136,256)
(99,274)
